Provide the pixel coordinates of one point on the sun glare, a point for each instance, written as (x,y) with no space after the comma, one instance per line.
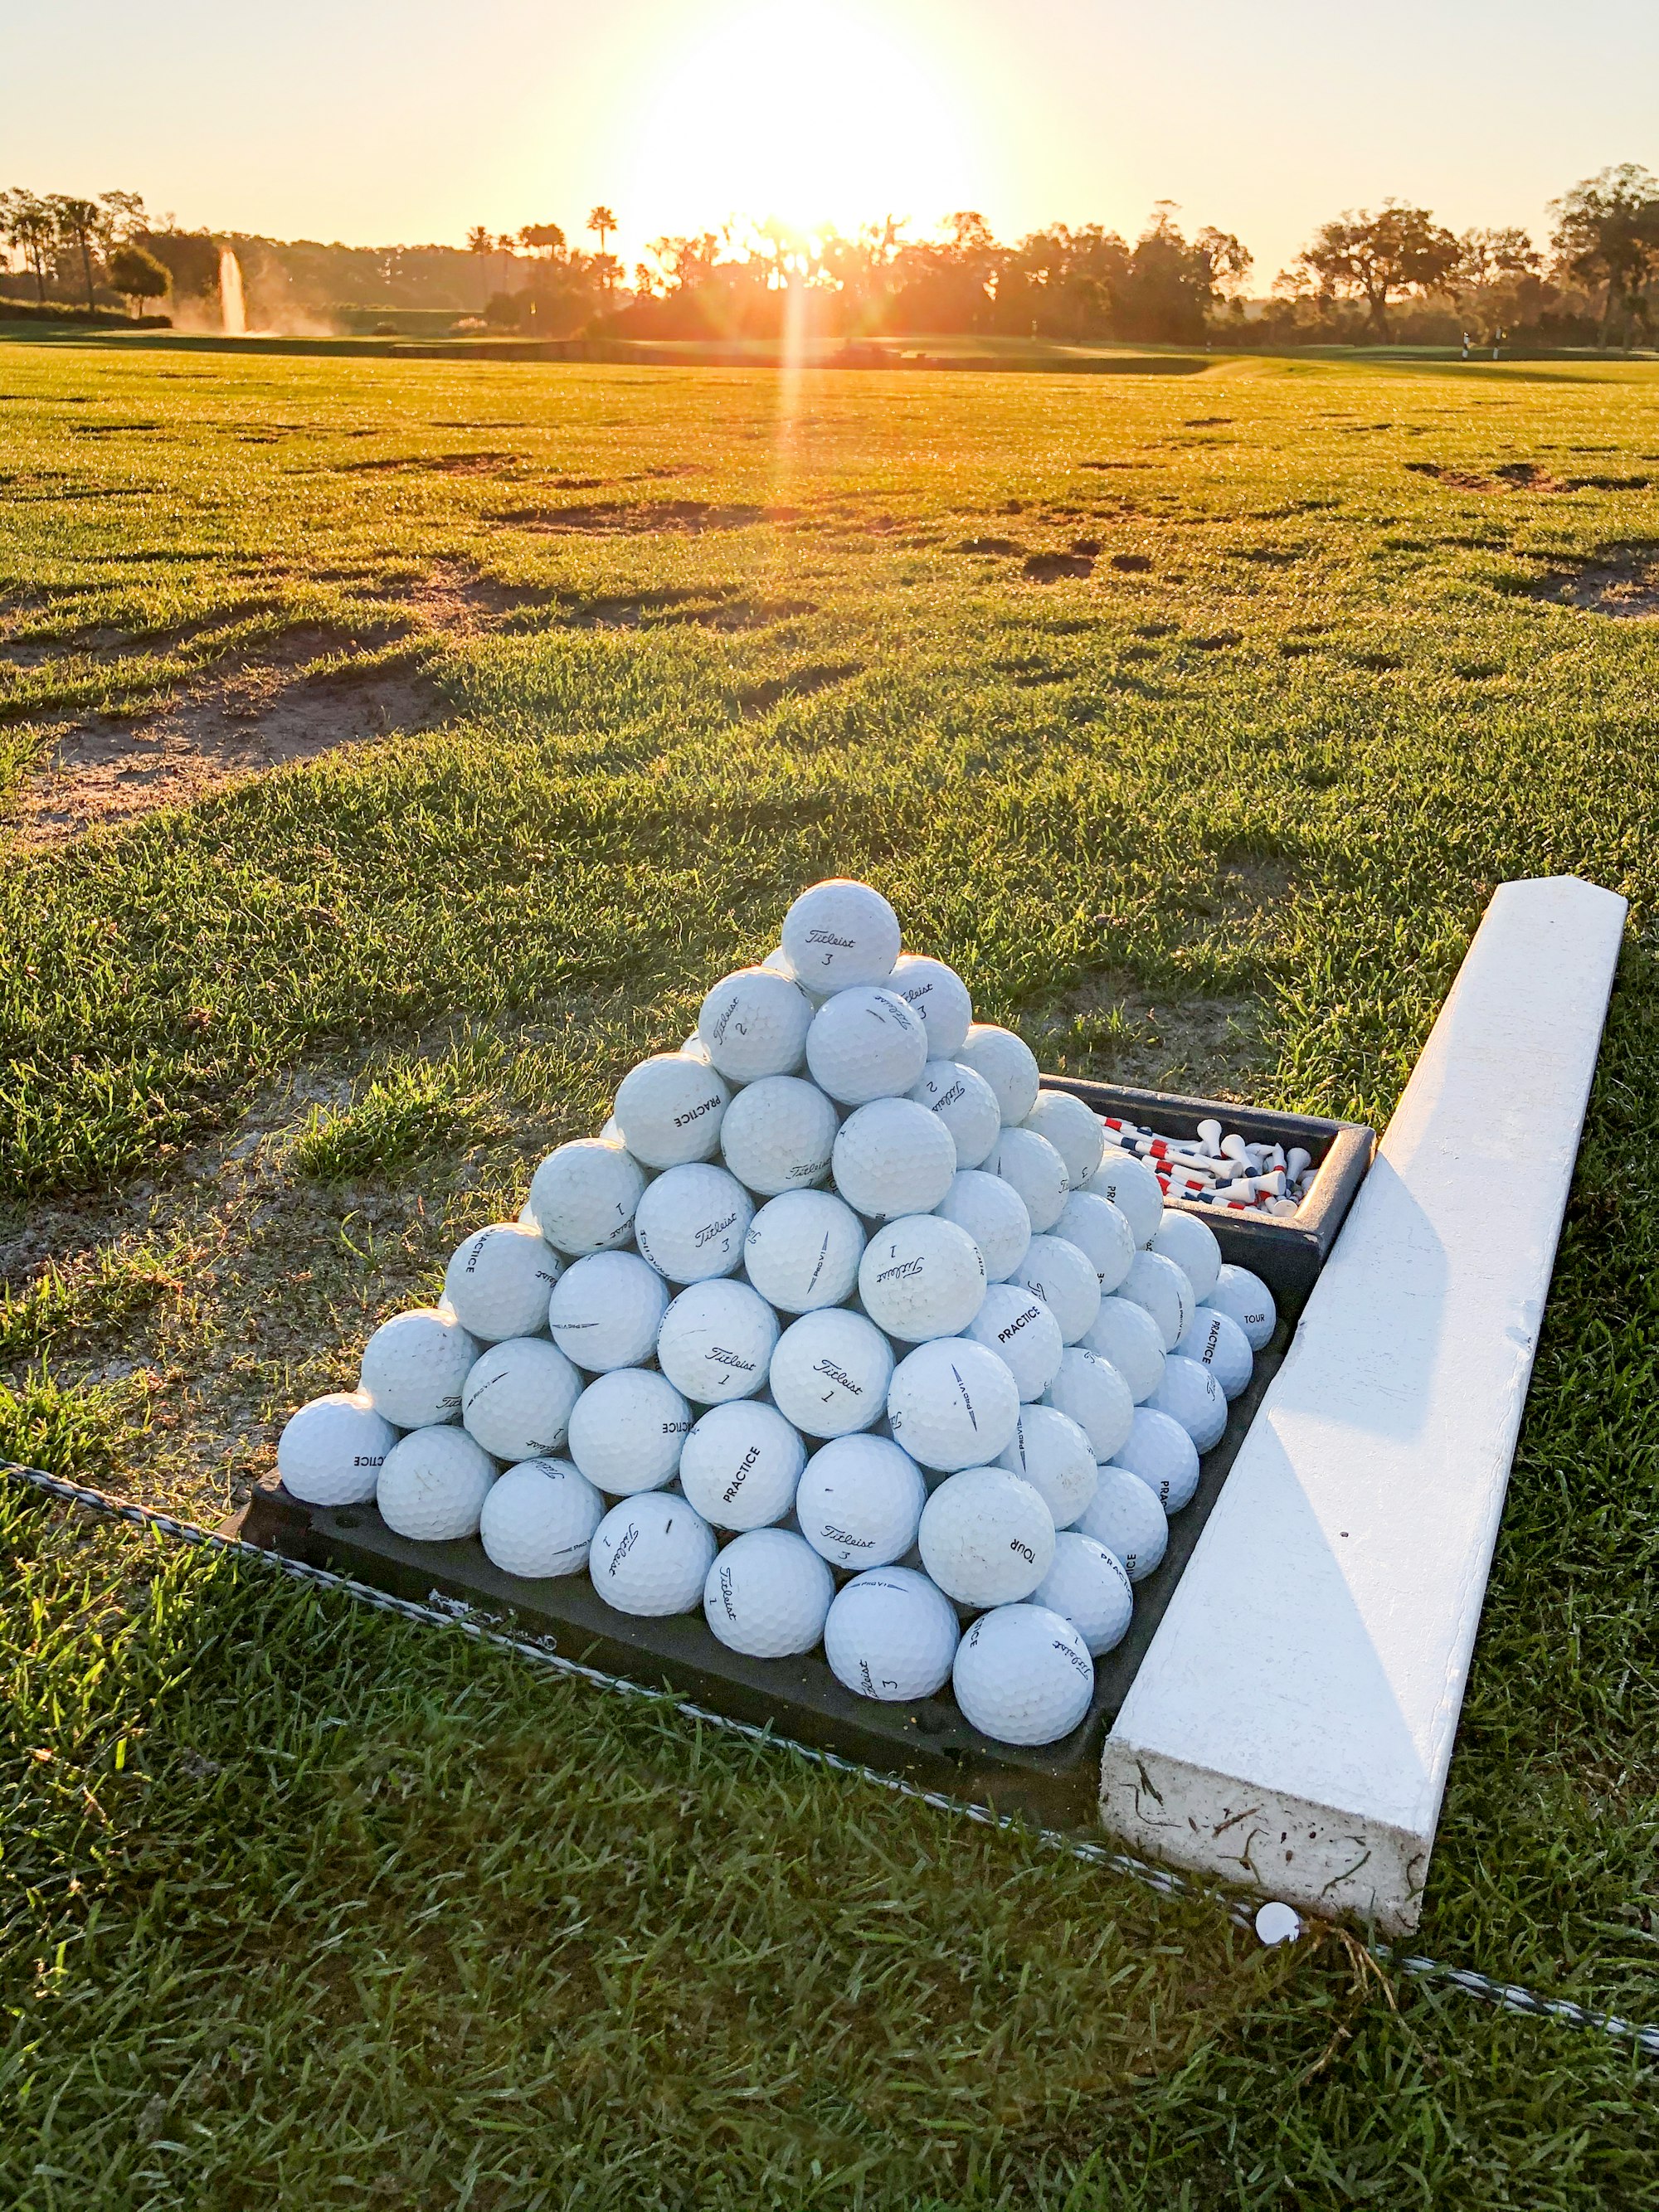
(807,114)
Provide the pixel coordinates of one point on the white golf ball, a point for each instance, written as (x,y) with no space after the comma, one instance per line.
(965,1102)
(517,1398)
(716,1342)
(778,1133)
(582,1196)
(1161,1288)
(802,1250)
(414,1366)
(753,1025)
(1096,1396)
(767,1594)
(831,1371)
(951,1404)
(891,1635)
(994,1214)
(986,1537)
(864,1043)
(1052,1453)
(605,1311)
(331,1452)
(1190,1394)
(892,1157)
(497,1284)
(776,963)
(1191,1243)
(1245,1298)
(1024,1675)
(859,1501)
(1126,1334)
(838,933)
(433,1485)
(669,1109)
(1087,1586)
(921,1278)
(1215,1341)
(651,1555)
(627,1429)
(1133,1189)
(1125,1515)
(1074,1129)
(691,1222)
(1064,1277)
(1035,1170)
(1008,1065)
(695,1049)
(1016,1324)
(539,1519)
(741,1464)
(939,996)
(1161,1453)
(1096,1227)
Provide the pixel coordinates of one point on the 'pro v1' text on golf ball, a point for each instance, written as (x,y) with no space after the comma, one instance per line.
(965,1102)
(831,1371)
(606,1310)
(839,934)
(539,1519)
(669,1109)
(330,1451)
(691,1222)
(741,1464)
(754,1024)
(1024,1675)
(952,1404)
(582,1197)
(651,1555)
(777,1135)
(994,1214)
(415,1364)
(891,1635)
(986,1537)
(627,1429)
(939,996)
(433,1485)
(802,1250)
(1052,1453)
(859,1501)
(497,1283)
(864,1043)
(921,1278)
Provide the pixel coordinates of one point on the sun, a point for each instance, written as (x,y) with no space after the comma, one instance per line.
(801,112)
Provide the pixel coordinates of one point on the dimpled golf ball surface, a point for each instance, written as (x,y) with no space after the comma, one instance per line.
(986,1537)
(517,1398)
(838,933)
(1126,1516)
(433,1485)
(716,1342)
(651,1555)
(1127,1335)
(498,1282)
(831,1371)
(627,1429)
(415,1366)
(1072,1129)
(966,1104)
(691,1222)
(860,1502)
(1016,1324)
(1095,1396)
(1190,1394)
(864,1043)
(952,1404)
(1065,1279)
(1162,1455)
(1036,1171)
(1191,1243)
(1096,1227)
(766,1593)
(754,1024)
(778,1134)
(330,1451)
(1217,1341)
(606,1310)
(1052,1453)
(539,1519)
(1245,1298)
(1023,1674)
(1161,1286)
(1087,1586)
(582,1196)
(741,1464)
(1008,1065)
(1133,1189)
(939,995)
(893,1157)
(802,1250)
(921,1278)
(890,1635)
(994,1214)
(669,1109)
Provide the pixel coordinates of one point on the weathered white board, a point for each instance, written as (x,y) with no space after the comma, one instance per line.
(1292,1722)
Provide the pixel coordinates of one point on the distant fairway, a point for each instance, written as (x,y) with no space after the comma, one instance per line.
(1193,717)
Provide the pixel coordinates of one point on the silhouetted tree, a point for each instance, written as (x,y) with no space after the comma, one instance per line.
(479,241)
(30,227)
(136,275)
(81,224)
(602,222)
(1607,230)
(1376,257)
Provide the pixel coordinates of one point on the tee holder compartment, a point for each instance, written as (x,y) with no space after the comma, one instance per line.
(1056,1785)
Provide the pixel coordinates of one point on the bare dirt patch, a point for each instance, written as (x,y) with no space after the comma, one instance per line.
(990,545)
(1115,1032)
(457,596)
(689,518)
(1054,568)
(1625,591)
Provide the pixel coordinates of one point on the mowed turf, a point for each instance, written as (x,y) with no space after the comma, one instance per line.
(1193,717)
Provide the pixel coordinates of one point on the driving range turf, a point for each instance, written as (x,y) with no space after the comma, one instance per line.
(1193,717)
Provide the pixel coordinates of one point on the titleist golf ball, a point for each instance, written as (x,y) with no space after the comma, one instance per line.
(766,1593)
(740,1465)
(651,1555)
(627,1429)
(1096,1227)
(777,1135)
(1036,1171)
(965,1102)
(1087,1586)
(1052,1453)
(539,1519)
(413,1367)
(1162,1287)
(1126,1334)
(669,1109)
(1190,1394)
(517,1398)
(497,1284)
(1096,1396)
(864,1043)
(691,1222)
(777,964)
(831,1371)
(582,1197)
(1023,1676)
(605,1311)
(716,1342)
(1008,1065)
(939,996)
(1125,1515)
(921,1278)
(859,1501)
(434,1484)
(1065,1279)
(1074,1129)
(951,1404)
(1217,1341)
(994,1214)
(1133,1189)
(754,1024)
(986,1537)
(1191,1243)
(1016,1324)
(893,1157)
(1160,1451)
(331,1452)
(838,933)
(802,1250)
(1245,1298)
(890,1635)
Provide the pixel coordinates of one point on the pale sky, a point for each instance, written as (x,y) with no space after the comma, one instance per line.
(378,121)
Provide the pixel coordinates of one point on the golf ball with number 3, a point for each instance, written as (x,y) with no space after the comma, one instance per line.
(838,933)
(890,1635)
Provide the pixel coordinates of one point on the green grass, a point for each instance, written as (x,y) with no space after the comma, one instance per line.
(360,1913)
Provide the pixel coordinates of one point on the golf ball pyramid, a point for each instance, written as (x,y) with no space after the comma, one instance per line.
(838,1289)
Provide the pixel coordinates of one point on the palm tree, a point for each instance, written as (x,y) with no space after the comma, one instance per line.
(27,223)
(81,223)
(481,242)
(600,219)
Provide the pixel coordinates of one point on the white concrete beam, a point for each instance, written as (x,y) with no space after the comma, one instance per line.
(1292,1722)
